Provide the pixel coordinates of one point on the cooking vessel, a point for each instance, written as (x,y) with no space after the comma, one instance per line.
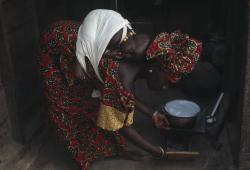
(181,113)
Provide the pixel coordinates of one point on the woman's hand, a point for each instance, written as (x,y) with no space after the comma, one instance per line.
(160,120)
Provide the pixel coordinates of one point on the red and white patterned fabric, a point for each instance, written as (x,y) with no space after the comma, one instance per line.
(71,109)
(176,52)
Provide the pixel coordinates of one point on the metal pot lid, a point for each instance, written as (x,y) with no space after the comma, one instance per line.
(182,108)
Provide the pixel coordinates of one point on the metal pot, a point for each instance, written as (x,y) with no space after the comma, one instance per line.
(187,118)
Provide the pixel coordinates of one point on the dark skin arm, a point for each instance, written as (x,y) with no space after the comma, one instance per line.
(140,141)
(128,74)
(129,132)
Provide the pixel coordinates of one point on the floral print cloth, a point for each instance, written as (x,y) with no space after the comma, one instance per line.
(176,52)
(71,109)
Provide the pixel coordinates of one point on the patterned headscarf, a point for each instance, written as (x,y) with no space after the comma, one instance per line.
(176,52)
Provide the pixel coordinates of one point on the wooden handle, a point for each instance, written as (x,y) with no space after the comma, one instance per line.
(181,155)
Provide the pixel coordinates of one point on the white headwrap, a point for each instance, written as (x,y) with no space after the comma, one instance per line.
(94,34)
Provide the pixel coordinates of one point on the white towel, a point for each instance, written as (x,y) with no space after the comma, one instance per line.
(94,34)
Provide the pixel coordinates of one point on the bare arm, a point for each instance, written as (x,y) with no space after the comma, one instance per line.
(143,108)
(140,141)
(127,73)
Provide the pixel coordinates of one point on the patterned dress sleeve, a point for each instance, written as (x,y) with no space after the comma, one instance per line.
(59,41)
(117,106)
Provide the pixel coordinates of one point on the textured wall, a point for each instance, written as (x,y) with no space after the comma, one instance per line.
(235,74)
(192,16)
(245,130)
(4,126)
(18,64)
(21,23)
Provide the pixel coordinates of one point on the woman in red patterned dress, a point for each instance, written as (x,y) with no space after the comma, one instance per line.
(91,101)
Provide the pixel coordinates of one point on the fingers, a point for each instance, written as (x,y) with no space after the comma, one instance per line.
(161,121)
(164,125)
(164,120)
(158,123)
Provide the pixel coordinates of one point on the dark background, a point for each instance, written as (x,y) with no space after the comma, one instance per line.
(22,21)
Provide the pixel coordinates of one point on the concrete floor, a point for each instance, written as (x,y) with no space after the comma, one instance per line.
(45,153)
